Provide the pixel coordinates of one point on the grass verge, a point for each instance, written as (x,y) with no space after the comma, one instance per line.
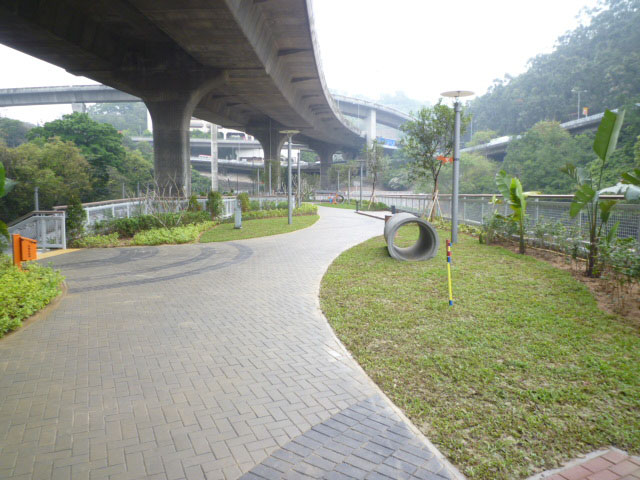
(257,228)
(24,292)
(523,373)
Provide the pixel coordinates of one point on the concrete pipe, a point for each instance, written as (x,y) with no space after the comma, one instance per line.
(426,246)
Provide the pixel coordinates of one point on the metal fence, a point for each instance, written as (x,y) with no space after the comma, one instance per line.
(134,207)
(476,209)
(47,227)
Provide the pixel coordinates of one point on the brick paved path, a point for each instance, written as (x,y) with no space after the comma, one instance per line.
(200,361)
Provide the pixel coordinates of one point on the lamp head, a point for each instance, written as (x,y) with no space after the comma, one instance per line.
(457,93)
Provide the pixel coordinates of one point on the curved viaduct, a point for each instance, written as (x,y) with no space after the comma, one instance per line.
(245,64)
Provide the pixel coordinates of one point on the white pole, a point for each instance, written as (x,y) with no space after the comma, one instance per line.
(289,192)
(214,157)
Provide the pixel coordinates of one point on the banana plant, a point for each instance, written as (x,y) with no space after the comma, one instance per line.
(587,196)
(513,194)
(632,180)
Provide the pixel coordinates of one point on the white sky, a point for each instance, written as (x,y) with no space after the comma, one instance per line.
(371,47)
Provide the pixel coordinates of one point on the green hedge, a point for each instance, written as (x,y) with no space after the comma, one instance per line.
(128,227)
(176,235)
(24,292)
(305,209)
(98,241)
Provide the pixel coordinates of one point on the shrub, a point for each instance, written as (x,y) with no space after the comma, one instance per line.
(193,205)
(24,292)
(98,241)
(245,203)
(254,205)
(305,209)
(176,235)
(282,205)
(75,218)
(215,204)
(128,227)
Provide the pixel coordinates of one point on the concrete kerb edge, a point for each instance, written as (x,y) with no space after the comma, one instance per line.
(452,468)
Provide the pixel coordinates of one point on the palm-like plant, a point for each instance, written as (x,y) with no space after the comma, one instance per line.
(587,196)
(516,198)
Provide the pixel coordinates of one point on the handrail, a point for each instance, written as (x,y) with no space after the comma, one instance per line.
(32,214)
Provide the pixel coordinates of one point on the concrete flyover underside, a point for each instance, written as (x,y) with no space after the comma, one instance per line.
(245,64)
(200,361)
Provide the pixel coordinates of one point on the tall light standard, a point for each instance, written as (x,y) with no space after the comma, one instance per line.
(299,189)
(579,92)
(456,159)
(361,169)
(289,133)
(214,157)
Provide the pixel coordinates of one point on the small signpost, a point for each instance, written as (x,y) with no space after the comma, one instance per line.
(24,250)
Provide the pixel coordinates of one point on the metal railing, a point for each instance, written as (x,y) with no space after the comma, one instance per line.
(476,209)
(134,207)
(46,227)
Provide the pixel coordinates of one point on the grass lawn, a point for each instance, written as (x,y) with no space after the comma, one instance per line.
(522,373)
(257,228)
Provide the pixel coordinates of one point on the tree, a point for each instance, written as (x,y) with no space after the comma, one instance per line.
(13,132)
(477,174)
(482,137)
(101,144)
(427,137)
(376,161)
(535,157)
(57,168)
(129,116)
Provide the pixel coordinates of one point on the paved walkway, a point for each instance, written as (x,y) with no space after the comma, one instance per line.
(200,361)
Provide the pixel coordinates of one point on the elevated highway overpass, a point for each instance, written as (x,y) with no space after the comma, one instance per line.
(248,65)
(375,120)
(496,149)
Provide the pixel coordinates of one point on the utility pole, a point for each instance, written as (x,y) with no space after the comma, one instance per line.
(579,92)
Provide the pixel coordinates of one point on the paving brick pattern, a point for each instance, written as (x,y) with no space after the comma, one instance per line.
(611,465)
(366,440)
(197,361)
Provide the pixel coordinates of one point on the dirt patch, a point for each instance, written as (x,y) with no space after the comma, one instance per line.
(612,299)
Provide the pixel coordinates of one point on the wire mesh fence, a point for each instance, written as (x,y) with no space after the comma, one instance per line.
(477,209)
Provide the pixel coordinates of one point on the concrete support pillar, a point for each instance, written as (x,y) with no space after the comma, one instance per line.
(171,99)
(326,160)
(272,142)
(79,107)
(370,125)
(172,163)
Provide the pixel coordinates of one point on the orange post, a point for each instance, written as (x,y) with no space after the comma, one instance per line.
(24,249)
(17,251)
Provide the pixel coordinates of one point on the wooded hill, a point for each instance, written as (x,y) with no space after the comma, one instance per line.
(601,56)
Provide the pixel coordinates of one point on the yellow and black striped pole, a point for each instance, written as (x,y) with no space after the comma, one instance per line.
(449,273)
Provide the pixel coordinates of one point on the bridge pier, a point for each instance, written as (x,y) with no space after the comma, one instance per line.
(272,142)
(171,101)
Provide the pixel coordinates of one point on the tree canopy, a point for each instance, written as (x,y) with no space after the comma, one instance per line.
(428,136)
(536,157)
(13,132)
(129,116)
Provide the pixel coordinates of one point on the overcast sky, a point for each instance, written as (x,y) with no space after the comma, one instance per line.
(372,47)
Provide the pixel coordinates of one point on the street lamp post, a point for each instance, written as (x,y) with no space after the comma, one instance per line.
(299,189)
(289,133)
(361,168)
(456,94)
(579,92)
(214,157)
